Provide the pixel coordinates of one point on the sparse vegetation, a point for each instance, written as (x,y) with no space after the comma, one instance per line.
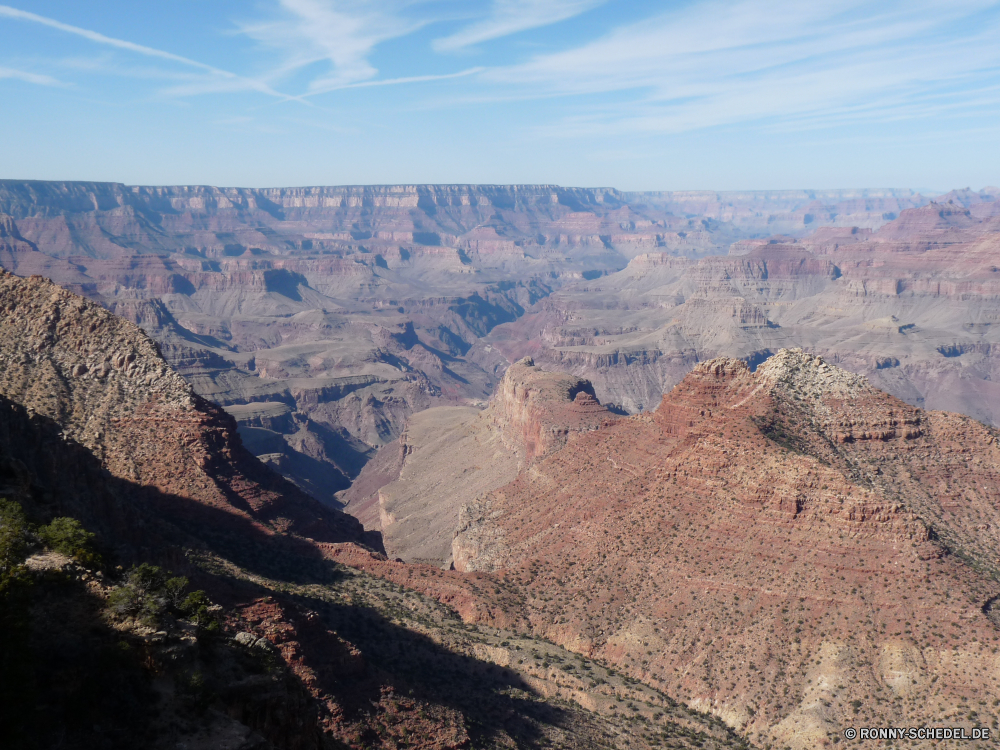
(149,592)
(67,535)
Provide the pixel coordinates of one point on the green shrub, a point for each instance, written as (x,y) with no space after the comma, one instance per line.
(125,601)
(149,592)
(146,578)
(195,601)
(15,536)
(174,592)
(67,535)
(16,688)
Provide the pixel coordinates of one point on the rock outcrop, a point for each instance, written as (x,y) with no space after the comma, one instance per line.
(102,383)
(932,270)
(534,411)
(295,295)
(413,489)
(298,650)
(790,549)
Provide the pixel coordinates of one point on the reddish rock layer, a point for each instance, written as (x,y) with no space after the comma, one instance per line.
(790,549)
(107,434)
(535,411)
(104,383)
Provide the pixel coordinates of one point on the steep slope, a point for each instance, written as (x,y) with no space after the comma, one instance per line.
(104,383)
(412,492)
(789,548)
(297,650)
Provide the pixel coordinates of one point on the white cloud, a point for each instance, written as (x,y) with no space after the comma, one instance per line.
(511,16)
(20,75)
(723,63)
(410,79)
(223,79)
(341,33)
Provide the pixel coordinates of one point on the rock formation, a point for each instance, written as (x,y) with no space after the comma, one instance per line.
(912,306)
(303,648)
(355,307)
(790,549)
(103,383)
(413,490)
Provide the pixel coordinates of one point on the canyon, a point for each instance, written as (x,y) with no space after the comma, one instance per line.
(413,490)
(913,306)
(790,549)
(304,644)
(322,318)
(523,465)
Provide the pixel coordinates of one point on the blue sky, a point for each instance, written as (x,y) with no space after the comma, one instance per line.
(737,94)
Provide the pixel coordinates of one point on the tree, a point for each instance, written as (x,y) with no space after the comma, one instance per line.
(67,535)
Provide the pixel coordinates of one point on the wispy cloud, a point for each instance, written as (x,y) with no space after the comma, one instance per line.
(511,16)
(410,79)
(20,75)
(723,63)
(340,33)
(225,80)
(22,15)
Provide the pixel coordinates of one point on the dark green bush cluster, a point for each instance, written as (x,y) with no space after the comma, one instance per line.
(149,593)
(67,536)
(15,539)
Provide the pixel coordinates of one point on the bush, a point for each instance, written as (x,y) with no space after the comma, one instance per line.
(16,688)
(125,601)
(67,536)
(14,539)
(149,592)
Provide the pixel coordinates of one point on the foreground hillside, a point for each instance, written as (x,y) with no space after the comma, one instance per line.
(159,587)
(790,549)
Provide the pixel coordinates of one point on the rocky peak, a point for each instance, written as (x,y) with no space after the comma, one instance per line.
(102,382)
(806,405)
(810,377)
(72,361)
(790,375)
(535,411)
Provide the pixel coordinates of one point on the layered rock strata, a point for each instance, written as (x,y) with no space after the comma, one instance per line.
(102,383)
(913,306)
(413,490)
(296,650)
(357,306)
(789,548)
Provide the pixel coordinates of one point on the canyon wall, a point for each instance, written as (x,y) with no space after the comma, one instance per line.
(413,490)
(914,306)
(790,549)
(355,307)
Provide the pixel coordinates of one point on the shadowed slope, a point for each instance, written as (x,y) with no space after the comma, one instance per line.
(103,381)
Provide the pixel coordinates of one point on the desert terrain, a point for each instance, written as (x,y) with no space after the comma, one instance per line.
(790,549)
(323,317)
(505,466)
(294,640)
